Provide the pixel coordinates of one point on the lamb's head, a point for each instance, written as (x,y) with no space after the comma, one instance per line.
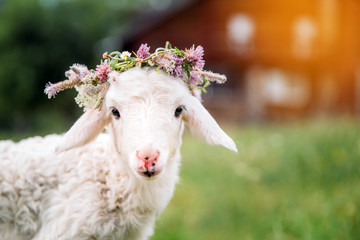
(145,111)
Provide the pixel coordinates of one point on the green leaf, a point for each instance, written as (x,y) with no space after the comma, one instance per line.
(187,72)
(201,88)
(206,82)
(181,54)
(131,64)
(168,45)
(135,54)
(113,63)
(186,69)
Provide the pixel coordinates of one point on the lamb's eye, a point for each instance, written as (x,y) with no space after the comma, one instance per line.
(178,111)
(115,113)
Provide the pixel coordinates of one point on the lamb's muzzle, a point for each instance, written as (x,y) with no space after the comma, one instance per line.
(147,165)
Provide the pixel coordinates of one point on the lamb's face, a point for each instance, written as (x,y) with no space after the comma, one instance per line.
(146,110)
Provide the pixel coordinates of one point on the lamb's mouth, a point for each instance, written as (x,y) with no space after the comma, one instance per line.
(149,174)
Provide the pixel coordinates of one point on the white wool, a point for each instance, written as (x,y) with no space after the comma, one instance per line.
(85,184)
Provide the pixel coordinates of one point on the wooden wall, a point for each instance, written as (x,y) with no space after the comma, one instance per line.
(329,66)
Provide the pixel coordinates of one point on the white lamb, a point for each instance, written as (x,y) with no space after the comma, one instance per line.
(93,185)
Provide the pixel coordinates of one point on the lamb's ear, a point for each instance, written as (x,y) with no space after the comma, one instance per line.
(85,129)
(202,124)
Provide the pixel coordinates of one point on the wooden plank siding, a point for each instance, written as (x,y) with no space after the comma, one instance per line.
(329,68)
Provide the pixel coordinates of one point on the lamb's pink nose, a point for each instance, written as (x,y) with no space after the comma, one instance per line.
(148,159)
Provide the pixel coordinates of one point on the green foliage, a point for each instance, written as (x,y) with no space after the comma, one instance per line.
(39,40)
(298,181)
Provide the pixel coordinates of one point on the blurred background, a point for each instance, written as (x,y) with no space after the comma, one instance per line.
(291,103)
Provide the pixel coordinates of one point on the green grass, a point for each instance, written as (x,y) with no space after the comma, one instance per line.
(291,181)
(288,181)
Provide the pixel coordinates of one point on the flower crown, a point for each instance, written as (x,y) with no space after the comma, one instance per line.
(92,84)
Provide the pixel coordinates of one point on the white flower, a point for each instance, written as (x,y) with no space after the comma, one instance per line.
(125,55)
(151,62)
(138,64)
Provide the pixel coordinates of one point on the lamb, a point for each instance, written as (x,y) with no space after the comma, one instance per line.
(90,184)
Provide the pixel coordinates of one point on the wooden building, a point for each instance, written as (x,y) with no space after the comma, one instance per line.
(284,58)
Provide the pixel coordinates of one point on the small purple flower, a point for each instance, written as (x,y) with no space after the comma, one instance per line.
(195,56)
(178,66)
(195,79)
(83,70)
(102,71)
(177,71)
(178,60)
(166,62)
(51,89)
(171,63)
(77,72)
(143,51)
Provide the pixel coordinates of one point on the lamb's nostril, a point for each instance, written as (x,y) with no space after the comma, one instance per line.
(148,155)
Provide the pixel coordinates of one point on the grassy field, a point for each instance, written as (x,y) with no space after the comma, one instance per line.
(292,181)
(288,181)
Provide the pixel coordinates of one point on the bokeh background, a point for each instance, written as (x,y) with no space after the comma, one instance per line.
(291,103)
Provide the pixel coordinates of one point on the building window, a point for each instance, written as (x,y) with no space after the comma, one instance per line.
(241,31)
(304,33)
